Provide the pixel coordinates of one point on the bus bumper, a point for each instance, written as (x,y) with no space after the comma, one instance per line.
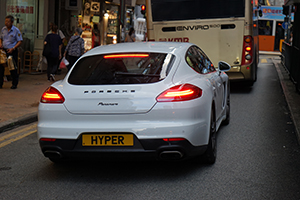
(242,73)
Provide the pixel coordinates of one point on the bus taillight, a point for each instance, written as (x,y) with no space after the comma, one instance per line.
(247,50)
(247,39)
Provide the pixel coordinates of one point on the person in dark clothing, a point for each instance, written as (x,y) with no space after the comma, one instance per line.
(63,39)
(10,40)
(52,60)
(95,36)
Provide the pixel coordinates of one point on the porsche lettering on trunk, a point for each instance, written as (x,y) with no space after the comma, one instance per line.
(107,104)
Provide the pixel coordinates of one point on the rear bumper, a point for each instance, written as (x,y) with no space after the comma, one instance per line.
(149,149)
(242,73)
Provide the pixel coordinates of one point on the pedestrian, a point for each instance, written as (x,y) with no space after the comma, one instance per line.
(75,48)
(10,40)
(58,32)
(63,39)
(291,38)
(95,36)
(53,59)
(130,37)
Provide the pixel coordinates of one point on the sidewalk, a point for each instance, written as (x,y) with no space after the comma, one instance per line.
(20,106)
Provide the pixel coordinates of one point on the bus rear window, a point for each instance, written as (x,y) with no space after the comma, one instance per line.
(168,10)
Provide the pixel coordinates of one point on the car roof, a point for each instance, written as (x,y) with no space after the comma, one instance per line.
(155,47)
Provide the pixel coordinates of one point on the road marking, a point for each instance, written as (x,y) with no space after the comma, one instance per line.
(15,139)
(17,132)
(17,135)
(263,60)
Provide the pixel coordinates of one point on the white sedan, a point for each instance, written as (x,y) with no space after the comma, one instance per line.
(152,100)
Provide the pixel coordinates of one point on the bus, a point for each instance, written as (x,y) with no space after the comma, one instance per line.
(226,30)
(271,32)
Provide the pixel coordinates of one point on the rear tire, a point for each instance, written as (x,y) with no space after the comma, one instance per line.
(210,155)
(227,120)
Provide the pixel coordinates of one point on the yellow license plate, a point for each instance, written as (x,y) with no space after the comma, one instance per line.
(107,140)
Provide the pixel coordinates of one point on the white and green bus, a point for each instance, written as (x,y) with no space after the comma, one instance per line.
(225,29)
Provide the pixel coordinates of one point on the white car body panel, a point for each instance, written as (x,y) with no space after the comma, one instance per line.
(144,126)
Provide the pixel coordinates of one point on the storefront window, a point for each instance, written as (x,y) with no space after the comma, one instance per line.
(112,25)
(100,23)
(24,13)
(89,20)
(128,23)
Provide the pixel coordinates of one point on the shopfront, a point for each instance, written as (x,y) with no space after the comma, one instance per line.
(100,21)
(30,17)
(25,13)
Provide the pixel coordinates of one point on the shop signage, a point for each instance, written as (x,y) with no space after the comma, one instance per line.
(273,12)
(20,9)
(95,7)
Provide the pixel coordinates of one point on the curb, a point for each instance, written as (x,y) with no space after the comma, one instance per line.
(11,124)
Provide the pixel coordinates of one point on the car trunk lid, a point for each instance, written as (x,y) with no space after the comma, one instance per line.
(110,100)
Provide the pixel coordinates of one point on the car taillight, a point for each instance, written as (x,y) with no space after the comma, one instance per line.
(52,95)
(48,139)
(126,56)
(182,92)
(173,139)
(247,57)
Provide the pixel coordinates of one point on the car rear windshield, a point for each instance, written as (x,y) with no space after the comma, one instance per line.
(168,10)
(129,68)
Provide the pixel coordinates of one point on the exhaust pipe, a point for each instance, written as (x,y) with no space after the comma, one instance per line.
(52,154)
(171,155)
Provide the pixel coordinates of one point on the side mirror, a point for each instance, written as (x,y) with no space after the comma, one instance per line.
(224,66)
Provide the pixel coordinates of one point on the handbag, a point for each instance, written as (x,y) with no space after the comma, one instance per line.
(47,49)
(63,64)
(3,57)
(11,63)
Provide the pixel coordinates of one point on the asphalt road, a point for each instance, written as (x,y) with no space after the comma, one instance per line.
(258,158)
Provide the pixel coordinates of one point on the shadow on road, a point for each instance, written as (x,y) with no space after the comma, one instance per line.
(88,171)
(237,87)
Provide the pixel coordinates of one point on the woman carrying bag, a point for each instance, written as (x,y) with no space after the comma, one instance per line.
(75,48)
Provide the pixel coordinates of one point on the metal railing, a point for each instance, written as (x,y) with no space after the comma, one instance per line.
(290,59)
